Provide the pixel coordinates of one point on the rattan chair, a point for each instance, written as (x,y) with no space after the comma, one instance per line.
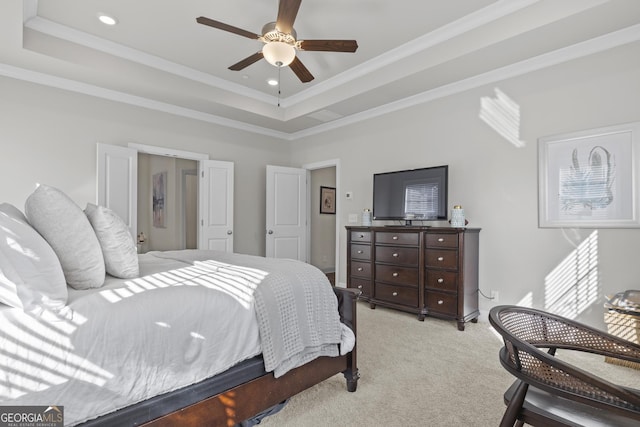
(551,392)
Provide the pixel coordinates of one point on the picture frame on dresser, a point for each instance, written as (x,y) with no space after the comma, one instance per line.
(589,179)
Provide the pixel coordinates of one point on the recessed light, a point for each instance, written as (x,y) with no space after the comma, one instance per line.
(107,19)
(272,82)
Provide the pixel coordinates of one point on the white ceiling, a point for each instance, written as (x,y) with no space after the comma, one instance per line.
(410,51)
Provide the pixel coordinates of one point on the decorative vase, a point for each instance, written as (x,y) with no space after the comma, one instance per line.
(457,217)
(366,217)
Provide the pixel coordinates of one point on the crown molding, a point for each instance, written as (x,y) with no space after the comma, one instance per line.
(63,32)
(454,29)
(608,41)
(125,98)
(579,50)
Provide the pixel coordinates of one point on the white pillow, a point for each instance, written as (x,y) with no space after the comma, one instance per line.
(119,250)
(31,277)
(66,228)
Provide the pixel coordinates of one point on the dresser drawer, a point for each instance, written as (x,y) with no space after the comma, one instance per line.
(441,279)
(439,302)
(360,236)
(441,258)
(390,237)
(361,269)
(362,252)
(442,240)
(399,275)
(397,294)
(361,284)
(395,274)
(397,255)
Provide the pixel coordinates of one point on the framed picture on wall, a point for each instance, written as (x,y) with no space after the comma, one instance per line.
(327,200)
(589,179)
(159,196)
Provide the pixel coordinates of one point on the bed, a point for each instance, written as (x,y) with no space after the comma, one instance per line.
(192,337)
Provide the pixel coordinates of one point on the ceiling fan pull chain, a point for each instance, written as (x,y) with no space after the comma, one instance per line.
(279,82)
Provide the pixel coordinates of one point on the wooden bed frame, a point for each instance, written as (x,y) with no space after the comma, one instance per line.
(242,392)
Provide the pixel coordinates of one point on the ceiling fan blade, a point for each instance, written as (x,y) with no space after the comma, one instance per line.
(226,27)
(247,61)
(329,45)
(287,11)
(301,71)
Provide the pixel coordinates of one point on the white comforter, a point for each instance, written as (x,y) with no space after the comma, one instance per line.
(191,316)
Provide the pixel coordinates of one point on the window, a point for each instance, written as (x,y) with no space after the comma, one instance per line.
(421,200)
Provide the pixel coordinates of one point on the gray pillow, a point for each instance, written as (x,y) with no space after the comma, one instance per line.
(119,250)
(66,228)
(31,277)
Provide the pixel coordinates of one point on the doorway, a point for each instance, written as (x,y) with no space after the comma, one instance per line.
(322,226)
(180,206)
(330,170)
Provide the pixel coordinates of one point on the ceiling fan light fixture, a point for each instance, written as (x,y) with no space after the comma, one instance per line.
(279,54)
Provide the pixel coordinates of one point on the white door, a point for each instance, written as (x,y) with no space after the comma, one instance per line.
(117,179)
(216,205)
(286,213)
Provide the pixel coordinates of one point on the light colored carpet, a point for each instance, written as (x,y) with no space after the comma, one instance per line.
(416,374)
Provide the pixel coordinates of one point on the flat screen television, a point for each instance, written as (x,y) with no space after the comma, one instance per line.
(414,194)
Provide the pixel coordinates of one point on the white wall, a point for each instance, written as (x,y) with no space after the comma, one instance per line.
(495,181)
(49,136)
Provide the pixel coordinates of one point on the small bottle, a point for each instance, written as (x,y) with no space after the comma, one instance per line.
(366,217)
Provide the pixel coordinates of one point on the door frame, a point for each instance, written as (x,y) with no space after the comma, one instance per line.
(170,152)
(322,165)
(183,182)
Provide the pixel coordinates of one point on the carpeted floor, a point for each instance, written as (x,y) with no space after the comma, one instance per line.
(415,374)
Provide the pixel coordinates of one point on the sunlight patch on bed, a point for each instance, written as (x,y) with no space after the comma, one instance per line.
(234,280)
(16,246)
(39,355)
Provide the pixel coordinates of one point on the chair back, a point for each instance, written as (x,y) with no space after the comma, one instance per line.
(526,331)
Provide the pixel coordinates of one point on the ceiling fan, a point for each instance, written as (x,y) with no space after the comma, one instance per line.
(280,43)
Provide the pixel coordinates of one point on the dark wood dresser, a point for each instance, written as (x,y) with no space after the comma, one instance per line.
(430,271)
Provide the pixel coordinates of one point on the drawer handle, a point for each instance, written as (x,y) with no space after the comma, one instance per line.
(359,286)
(395,255)
(440,258)
(441,239)
(395,274)
(362,236)
(440,302)
(360,251)
(395,294)
(395,237)
(360,268)
(441,280)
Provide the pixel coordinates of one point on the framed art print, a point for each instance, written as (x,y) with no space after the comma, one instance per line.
(589,179)
(327,200)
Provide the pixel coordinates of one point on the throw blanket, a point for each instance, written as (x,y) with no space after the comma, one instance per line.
(296,307)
